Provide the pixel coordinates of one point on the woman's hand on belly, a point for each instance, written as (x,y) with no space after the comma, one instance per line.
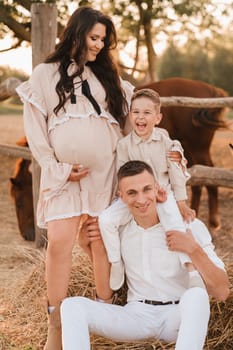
(78,172)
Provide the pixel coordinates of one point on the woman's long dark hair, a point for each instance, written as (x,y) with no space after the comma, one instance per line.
(73,45)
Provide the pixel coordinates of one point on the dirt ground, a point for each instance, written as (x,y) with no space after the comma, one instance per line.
(14,268)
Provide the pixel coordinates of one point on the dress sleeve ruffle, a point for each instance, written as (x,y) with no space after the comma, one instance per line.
(54,175)
(27,95)
(40,85)
(31,91)
(82,110)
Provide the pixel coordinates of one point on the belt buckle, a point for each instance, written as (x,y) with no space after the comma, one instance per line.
(154,302)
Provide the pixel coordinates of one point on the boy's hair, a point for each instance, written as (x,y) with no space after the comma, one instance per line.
(133,167)
(149,93)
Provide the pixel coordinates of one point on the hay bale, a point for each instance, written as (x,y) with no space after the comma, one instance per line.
(25,317)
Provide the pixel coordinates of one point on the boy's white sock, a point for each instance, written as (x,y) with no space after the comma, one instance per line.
(117,275)
(51,309)
(195,280)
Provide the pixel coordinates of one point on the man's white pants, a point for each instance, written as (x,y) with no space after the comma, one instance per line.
(186,322)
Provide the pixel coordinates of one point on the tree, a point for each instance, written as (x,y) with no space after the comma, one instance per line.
(171,64)
(15,18)
(139,21)
(190,61)
(222,67)
(144,21)
(7,72)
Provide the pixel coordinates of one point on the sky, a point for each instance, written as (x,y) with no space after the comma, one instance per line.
(20,58)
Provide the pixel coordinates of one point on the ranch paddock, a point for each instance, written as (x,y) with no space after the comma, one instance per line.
(22,317)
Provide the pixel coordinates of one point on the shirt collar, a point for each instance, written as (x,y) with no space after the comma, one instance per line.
(151,228)
(155,136)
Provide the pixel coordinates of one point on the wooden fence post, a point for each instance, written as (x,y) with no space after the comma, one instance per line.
(43,38)
(43,31)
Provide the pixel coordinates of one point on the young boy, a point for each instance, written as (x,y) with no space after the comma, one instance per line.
(150,144)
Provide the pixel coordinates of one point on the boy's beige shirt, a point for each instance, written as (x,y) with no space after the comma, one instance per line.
(170,175)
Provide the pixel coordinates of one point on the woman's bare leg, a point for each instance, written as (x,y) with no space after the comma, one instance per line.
(61,239)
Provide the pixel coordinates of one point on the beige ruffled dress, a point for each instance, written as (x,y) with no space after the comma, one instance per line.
(76,135)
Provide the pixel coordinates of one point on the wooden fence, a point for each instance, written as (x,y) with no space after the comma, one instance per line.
(7,89)
(200,174)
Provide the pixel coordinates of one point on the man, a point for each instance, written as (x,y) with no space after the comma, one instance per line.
(159,303)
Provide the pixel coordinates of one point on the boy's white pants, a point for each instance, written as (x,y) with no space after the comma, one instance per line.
(117,214)
(186,322)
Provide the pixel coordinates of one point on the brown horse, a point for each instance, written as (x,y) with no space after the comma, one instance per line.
(21,192)
(194,128)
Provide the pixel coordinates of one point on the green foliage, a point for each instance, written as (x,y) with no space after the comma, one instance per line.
(8,107)
(230,114)
(222,69)
(171,63)
(197,62)
(209,63)
(170,18)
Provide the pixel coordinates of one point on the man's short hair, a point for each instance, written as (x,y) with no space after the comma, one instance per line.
(149,93)
(133,167)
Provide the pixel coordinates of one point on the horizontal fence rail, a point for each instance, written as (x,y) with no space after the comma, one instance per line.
(200,174)
(210,176)
(8,86)
(197,102)
(15,151)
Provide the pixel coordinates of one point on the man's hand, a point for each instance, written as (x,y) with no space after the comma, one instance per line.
(175,156)
(181,242)
(215,278)
(78,172)
(161,195)
(89,233)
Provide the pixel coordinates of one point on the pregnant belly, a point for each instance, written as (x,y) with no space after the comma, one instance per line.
(88,141)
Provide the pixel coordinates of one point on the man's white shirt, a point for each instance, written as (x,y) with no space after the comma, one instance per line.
(153,271)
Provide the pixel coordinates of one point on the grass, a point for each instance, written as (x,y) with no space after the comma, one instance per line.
(7,108)
(230,114)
